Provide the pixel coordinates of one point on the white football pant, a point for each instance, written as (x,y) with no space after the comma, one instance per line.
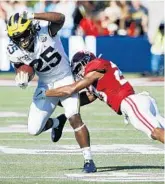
(42,109)
(142,112)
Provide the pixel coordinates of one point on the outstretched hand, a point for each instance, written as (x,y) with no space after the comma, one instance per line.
(27,15)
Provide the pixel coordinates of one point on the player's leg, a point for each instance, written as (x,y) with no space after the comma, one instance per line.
(39,114)
(142,115)
(157,133)
(71,106)
(56,132)
(159,117)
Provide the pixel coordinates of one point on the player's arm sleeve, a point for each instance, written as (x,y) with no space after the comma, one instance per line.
(17,65)
(77,86)
(15,62)
(53,28)
(86,98)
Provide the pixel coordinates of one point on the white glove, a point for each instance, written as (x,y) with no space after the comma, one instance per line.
(27,15)
(40,94)
(22,79)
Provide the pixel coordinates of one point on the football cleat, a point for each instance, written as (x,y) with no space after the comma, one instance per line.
(57,132)
(89,166)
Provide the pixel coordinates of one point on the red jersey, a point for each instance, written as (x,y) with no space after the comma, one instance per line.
(112,87)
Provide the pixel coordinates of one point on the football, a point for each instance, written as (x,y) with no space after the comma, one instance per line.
(27,69)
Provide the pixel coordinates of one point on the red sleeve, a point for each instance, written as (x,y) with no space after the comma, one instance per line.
(100,65)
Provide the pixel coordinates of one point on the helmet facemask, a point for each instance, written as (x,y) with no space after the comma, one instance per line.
(26,39)
(21,31)
(78,68)
(78,71)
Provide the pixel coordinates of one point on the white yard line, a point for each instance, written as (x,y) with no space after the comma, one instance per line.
(7,114)
(109,177)
(4,114)
(33,177)
(23,129)
(133,81)
(68,138)
(9,82)
(119,176)
(97,149)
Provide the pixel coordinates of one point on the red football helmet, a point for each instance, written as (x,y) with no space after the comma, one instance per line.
(79,60)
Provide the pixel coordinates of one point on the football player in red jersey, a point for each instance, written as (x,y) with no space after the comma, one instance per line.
(104,80)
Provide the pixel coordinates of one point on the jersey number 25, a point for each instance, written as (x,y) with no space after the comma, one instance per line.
(44,63)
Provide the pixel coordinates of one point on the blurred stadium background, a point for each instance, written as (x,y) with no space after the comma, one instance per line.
(122,31)
(125,32)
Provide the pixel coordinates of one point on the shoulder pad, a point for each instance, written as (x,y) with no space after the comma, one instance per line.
(12,52)
(11,48)
(99,65)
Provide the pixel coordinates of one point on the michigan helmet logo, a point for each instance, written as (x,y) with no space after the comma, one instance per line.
(17,25)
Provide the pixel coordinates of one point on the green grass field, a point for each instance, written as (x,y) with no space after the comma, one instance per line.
(121,153)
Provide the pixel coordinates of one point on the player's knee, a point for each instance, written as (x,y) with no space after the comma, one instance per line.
(32,130)
(75,121)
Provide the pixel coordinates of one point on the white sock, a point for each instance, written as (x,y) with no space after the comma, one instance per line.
(87,153)
(55,122)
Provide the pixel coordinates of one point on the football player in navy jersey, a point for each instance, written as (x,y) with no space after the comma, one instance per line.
(105,81)
(34,41)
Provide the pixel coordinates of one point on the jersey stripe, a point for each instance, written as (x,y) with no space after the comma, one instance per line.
(138,114)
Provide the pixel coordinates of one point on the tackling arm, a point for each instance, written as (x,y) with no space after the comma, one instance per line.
(75,87)
(85,98)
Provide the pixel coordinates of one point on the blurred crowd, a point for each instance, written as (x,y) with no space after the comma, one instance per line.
(88,17)
(97,18)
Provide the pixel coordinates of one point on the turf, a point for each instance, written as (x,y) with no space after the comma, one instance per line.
(121,153)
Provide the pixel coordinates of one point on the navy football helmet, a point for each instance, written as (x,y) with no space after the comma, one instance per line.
(79,60)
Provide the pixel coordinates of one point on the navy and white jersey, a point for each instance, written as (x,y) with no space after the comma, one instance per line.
(48,59)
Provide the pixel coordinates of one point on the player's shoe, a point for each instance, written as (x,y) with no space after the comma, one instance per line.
(57,132)
(89,166)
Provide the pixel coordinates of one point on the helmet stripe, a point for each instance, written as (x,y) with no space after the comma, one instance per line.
(16,18)
(9,22)
(12,20)
(19,20)
(17,25)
